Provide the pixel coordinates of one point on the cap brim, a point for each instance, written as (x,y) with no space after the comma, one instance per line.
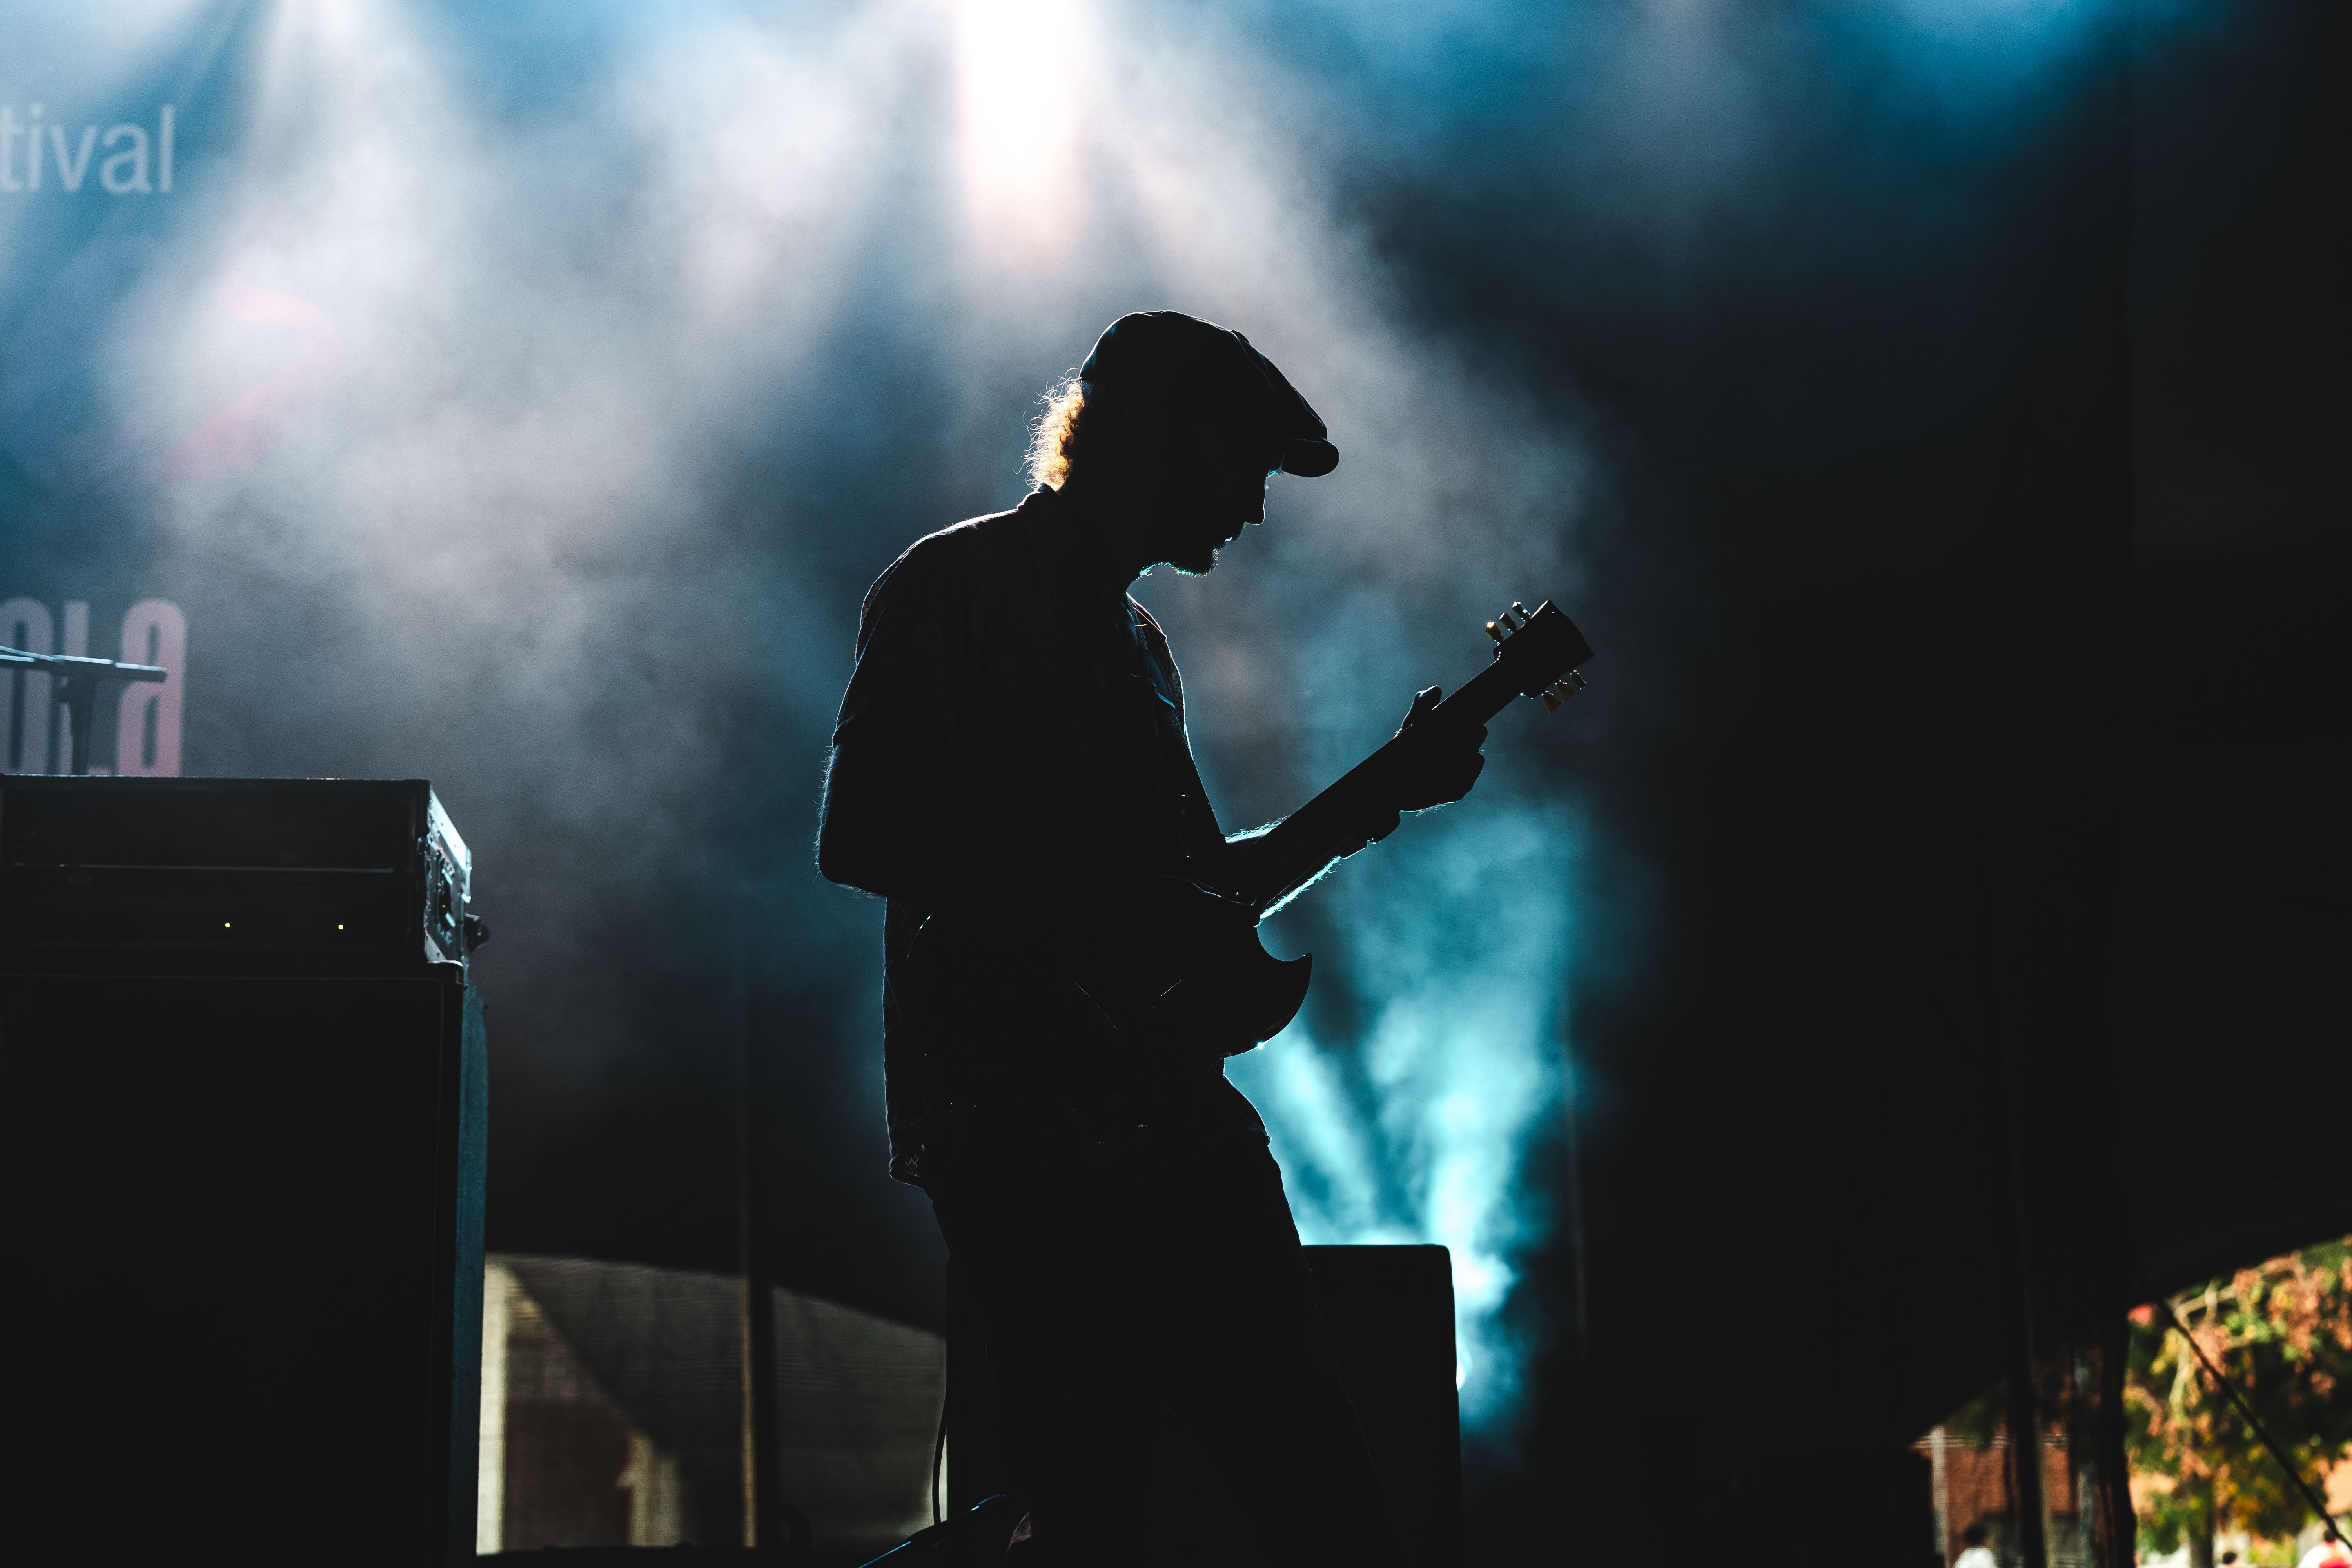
(1309,459)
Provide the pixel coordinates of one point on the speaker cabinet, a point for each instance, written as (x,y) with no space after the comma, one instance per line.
(245,1251)
(1390,1311)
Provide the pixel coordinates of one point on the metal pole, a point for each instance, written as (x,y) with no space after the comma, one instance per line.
(763,1522)
(2024,1413)
(1940,1478)
(2023,1417)
(2114,1463)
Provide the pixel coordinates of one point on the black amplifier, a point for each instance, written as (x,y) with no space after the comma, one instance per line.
(237,1035)
(221,877)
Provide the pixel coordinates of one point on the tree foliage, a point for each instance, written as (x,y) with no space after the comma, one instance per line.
(2282,1334)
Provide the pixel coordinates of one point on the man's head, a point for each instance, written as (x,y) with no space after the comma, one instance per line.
(1169,432)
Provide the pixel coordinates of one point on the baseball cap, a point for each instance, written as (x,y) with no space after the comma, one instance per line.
(1170,350)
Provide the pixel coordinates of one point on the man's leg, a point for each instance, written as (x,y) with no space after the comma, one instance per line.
(1060,1269)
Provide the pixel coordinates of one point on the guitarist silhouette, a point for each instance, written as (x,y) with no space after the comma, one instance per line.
(1011,772)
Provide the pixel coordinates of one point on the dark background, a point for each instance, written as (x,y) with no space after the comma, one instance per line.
(1963,536)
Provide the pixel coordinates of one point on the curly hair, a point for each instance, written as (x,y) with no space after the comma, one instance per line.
(1054,439)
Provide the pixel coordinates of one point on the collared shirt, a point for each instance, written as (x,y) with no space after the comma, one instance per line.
(1013,738)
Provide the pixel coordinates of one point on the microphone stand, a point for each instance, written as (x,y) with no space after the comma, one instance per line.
(77,680)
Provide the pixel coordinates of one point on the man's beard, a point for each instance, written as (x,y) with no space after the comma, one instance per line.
(1193,551)
(1194,561)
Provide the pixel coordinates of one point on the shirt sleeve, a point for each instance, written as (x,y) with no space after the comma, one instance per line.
(887,823)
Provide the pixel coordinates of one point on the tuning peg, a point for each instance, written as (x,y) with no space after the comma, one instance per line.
(1576,677)
(1518,609)
(1508,624)
(1551,700)
(1494,631)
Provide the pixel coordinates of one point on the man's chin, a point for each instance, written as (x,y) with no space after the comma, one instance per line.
(1196,563)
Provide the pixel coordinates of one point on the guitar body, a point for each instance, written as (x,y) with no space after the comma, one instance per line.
(1169,964)
(1177,967)
(1184,964)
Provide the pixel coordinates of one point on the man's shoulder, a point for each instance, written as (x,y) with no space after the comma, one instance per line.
(956,552)
(945,552)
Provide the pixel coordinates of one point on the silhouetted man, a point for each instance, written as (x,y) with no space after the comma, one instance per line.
(1011,755)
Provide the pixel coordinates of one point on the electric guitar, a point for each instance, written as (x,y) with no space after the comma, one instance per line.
(1176,965)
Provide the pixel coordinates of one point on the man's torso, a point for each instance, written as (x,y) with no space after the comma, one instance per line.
(1050,718)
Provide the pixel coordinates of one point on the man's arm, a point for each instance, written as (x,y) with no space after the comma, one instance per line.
(883,824)
(1438,771)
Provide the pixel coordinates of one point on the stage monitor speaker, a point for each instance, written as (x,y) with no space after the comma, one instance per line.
(1389,1313)
(1390,1310)
(243,1233)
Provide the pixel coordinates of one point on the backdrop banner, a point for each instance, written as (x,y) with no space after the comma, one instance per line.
(122,131)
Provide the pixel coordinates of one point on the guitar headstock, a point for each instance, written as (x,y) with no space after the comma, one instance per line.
(1539,651)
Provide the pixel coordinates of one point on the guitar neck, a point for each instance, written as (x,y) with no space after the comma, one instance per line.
(1291,854)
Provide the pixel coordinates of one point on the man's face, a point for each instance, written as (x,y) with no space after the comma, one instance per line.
(1212,485)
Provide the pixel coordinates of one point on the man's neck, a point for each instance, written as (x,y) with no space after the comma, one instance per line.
(1115,529)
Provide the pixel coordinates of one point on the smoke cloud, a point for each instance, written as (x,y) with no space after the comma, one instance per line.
(524,405)
(534,337)
(524,401)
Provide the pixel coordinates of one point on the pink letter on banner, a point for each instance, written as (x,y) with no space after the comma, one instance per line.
(147,735)
(244,432)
